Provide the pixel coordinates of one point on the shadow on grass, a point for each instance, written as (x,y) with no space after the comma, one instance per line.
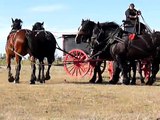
(157,83)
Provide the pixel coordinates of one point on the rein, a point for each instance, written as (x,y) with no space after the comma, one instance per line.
(147,26)
(26,58)
(108,42)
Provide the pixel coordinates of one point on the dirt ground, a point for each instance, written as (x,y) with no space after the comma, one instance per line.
(66,98)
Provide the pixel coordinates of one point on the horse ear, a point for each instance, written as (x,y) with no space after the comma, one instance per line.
(20,20)
(12,20)
(42,23)
(154,30)
(82,20)
(98,24)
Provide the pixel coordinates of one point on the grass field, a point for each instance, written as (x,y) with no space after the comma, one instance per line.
(66,98)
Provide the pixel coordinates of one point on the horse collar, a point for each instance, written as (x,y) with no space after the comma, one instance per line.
(37,33)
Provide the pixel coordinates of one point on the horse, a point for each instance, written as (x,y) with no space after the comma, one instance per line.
(122,49)
(16,46)
(42,44)
(84,34)
(154,67)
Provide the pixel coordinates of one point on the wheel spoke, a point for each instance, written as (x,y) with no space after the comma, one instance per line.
(77,67)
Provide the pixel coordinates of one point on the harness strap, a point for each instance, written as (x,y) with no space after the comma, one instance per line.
(138,48)
(148,46)
(147,26)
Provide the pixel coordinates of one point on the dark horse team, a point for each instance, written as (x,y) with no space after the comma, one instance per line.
(110,42)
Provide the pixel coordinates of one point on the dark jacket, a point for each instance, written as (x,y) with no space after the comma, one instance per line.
(130,12)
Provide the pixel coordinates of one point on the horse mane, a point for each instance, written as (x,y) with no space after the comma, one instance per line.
(88,21)
(109,25)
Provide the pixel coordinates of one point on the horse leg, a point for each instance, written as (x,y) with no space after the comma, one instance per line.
(134,68)
(155,69)
(93,79)
(42,80)
(43,76)
(48,70)
(10,76)
(123,65)
(116,72)
(39,72)
(33,74)
(126,79)
(99,73)
(18,68)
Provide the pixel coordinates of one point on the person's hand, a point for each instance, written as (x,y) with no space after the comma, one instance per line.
(135,16)
(139,12)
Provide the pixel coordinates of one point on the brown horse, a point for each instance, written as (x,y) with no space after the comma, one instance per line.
(16,46)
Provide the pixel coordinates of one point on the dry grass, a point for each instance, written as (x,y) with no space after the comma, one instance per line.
(65,98)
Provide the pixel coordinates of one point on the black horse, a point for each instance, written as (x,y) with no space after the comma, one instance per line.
(84,35)
(154,67)
(123,50)
(42,44)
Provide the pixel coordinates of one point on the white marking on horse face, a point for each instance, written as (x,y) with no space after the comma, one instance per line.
(80,28)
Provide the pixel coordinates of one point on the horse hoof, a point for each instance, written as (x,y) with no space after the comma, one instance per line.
(47,77)
(126,82)
(91,81)
(11,79)
(99,81)
(133,83)
(149,82)
(16,81)
(42,81)
(112,82)
(32,82)
(142,81)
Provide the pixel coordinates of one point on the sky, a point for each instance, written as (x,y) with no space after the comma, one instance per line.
(65,16)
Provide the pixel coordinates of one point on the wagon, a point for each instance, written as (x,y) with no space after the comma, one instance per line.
(75,56)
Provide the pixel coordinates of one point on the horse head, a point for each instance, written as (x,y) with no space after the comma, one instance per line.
(38,26)
(16,24)
(84,31)
(102,32)
(97,35)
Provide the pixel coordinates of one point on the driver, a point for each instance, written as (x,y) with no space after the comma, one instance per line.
(132,17)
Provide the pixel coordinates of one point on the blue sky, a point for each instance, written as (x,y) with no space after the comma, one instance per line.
(64,16)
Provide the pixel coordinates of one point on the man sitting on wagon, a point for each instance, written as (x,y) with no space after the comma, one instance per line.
(132,24)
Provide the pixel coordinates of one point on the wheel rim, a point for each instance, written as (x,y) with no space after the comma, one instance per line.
(76,66)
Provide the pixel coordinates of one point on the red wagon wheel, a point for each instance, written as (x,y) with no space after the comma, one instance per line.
(74,63)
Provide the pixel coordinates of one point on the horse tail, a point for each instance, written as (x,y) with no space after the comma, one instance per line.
(29,41)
